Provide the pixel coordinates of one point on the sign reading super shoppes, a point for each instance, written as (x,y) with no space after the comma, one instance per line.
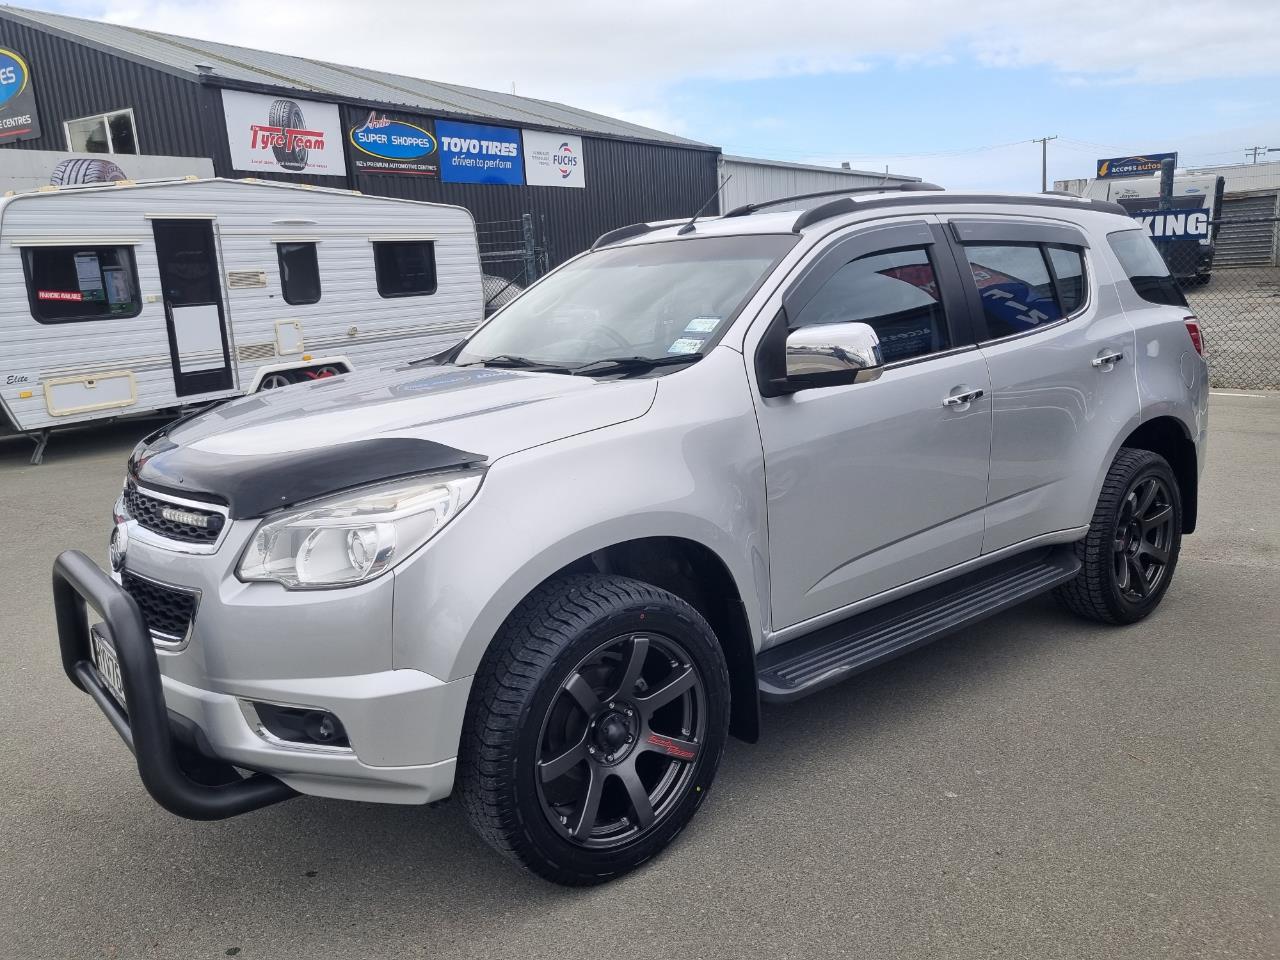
(18,120)
(389,143)
(301,137)
(474,153)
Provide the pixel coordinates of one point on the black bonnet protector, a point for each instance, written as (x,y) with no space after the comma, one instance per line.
(253,485)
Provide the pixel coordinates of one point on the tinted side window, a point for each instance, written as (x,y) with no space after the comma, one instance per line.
(405,268)
(68,284)
(1145,267)
(299,273)
(1068,271)
(1016,287)
(896,293)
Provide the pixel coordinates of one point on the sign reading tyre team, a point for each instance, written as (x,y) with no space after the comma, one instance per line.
(1189,224)
(474,153)
(283,134)
(1133,166)
(18,120)
(553,160)
(388,143)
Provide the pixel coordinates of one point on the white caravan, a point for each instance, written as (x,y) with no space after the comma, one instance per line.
(132,298)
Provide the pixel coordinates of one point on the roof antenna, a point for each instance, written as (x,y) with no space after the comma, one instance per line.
(688,227)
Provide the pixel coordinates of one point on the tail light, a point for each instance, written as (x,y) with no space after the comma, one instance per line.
(1193,330)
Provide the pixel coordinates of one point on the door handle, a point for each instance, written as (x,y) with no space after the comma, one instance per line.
(1107,359)
(957,399)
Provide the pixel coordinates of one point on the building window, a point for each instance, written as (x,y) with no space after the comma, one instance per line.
(70,284)
(299,273)
(106,133)
(405,268)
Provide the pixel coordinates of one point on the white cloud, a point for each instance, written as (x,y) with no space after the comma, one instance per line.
(626,56)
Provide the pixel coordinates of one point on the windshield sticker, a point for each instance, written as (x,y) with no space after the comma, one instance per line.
(686,345)
(702,325)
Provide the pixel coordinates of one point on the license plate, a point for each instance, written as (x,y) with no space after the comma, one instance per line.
(108,664)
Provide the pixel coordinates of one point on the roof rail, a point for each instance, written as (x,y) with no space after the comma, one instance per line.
(622,233)
(748,208)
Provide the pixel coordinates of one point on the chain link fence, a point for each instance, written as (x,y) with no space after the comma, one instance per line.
(513,254)
(1239,311)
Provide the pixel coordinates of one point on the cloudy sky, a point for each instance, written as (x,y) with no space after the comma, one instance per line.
(951,91)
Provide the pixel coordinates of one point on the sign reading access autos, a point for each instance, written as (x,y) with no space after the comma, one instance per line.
(18,120)
(474,153)
(285,135)
(385,143)
(553,160)
(1133,166)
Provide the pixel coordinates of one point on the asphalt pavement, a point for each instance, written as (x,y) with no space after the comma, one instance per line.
(1035,787)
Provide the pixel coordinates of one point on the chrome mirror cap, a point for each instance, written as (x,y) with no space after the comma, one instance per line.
(832,354)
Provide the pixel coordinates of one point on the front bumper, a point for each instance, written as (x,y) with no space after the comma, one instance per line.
(190,741)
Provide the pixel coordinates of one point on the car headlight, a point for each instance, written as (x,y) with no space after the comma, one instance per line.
(356,536)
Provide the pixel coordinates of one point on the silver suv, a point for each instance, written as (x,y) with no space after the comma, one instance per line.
(701,465)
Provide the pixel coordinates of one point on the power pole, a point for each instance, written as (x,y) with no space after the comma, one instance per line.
(1254,151)
(1044,161)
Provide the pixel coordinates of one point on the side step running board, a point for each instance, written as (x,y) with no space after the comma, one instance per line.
(807,664)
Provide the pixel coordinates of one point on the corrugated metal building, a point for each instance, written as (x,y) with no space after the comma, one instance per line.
(108,88)
(752,180)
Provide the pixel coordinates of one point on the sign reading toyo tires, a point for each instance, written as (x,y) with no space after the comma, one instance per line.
(387,143)
(18,120)
(476,153)
(553,160)
(284,135)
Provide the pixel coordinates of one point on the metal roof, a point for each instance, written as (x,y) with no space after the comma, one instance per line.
(243,65)
(815,168)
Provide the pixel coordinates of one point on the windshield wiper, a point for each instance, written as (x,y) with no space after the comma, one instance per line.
(631,364)
(511,361)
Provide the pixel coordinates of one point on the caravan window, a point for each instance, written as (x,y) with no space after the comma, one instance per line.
(405,268)
(299,273)
(69,284)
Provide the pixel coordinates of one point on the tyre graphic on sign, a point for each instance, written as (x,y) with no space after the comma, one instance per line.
(292,153)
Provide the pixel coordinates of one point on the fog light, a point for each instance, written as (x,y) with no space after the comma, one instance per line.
(301,725)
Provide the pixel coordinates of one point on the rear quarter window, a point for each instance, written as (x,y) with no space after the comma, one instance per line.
(1145,268)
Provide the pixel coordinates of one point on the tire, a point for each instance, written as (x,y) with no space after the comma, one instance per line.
(288,115)
(82,170)
(527,708)
(1130,553)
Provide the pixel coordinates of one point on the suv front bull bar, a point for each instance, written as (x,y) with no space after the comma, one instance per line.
(147,728)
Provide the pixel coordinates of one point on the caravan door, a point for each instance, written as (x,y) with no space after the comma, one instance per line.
(191,279)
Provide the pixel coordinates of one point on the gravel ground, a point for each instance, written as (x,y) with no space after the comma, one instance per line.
(1035,787)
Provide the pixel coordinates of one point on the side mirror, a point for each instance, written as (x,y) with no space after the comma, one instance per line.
(831,355)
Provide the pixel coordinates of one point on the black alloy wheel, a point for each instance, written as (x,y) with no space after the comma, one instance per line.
(619,741)
(594,728)
(1128,556)
(1143,538)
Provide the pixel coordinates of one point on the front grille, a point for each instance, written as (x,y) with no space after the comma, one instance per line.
(149,512)
(167,611)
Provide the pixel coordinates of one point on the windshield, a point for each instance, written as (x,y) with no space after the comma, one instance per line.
(650,304)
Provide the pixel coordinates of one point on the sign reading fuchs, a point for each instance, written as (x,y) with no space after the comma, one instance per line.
(284,135)
(1190,224)
(475,153)
(1133,166)
(553,160)
(18,120)
(386,143)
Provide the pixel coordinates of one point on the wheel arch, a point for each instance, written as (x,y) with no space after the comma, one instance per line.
(1168,436)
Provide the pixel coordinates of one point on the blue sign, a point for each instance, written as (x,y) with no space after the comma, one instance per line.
(473,153)
(1188,224)
(1133,166)
(18,120)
